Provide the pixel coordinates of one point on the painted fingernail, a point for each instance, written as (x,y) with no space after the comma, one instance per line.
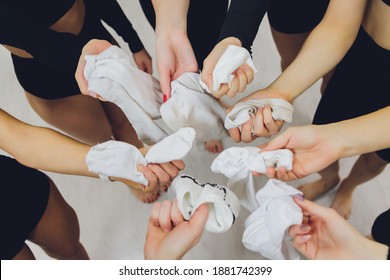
(165,98)
(299,197)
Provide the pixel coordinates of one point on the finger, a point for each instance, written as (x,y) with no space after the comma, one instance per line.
(233,88)
(235,134)
(224,88)
(300,242)
(295,230)
(247,131)
(149,67)
(199,219)
(281,172)
(271,172)
(165,82)
(242,79)
(176,215)
(163,177)
(179,164)
(259,129)
(155,214)
(150,176)
(219,147)
(249,73)
(170,169)
(269,121)
(164,218)
(207,76)
(79,75)
(279,142)
(315,209)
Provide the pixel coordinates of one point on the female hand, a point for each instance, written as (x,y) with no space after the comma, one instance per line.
(169,236)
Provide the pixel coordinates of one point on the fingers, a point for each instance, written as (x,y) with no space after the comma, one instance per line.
(314,209)
(247,131)
(176,215)
(150,176)
(165,82)
(165,216)
(279,142)
(199,219)
(271,125)
(235,134)
(149,68)
(170,169)
(299,230)
(249,73)
(179,164)
(242,79)
(162,175)
(155,214)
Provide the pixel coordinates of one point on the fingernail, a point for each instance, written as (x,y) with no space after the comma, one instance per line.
(165,98)
(306,237)
(299,197)
(304,227)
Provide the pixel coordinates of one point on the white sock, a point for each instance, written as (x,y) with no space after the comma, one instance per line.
(230,61)
(266,228)
(242,111)
(236,163)
(120,159)
(111,75)
(190,106)
(223,205)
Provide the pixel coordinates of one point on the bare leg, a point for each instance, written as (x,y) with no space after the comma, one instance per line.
(365,168)
(329,179)
(124,131)
(288,46)
(79,116)
(25,254)
(58,231)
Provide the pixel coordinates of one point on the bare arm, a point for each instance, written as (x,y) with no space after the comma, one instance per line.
(323,49)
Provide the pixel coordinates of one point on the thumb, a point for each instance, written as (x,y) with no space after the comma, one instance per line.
(199,219)
(279,142)
(165,82)
(315,209)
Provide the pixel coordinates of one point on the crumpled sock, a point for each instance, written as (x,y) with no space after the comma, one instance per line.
(230,61)
(111,75)
(242,111)
(223,205)
(237,163)
(120,159)
(190,106)
(266,229)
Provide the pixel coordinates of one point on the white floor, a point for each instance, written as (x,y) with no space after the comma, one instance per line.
(113,223)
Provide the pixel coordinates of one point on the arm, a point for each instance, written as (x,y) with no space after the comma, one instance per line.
(45,45)
(174,54)
(323,49)
(317,146)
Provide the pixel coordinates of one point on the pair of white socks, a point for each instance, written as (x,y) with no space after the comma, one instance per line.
(222,203)
(120,159)
(243,111)
(237,163)
(190,106)
(266,229)
(111,75)
(232,58)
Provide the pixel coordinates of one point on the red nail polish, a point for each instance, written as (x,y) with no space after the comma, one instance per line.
(165,98)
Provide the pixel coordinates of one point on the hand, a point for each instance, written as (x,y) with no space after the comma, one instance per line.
(93,47)
(262,124)
(174,57)
(168,235)
(314,148)
(330,236)
(243,75)
(143,61)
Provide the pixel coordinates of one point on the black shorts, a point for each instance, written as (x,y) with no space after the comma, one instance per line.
(42,81)
(360,85)
(204,22)
(24,197)
(296,16)
(380,230)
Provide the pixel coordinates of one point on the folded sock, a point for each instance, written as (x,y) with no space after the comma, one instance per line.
(190,106)
(120,159)
(266,228)
(230,61)
(242,111)
(111,75)
(223,205)
(236,163)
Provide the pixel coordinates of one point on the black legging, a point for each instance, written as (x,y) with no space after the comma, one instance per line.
(204,23)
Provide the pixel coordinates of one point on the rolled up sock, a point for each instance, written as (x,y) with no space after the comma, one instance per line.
(237,163)
(111,75)
(116,159)
(120,159)
(223,205)
(190,106)
(242,111)
(173,147)
(230,61)
(266,228)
